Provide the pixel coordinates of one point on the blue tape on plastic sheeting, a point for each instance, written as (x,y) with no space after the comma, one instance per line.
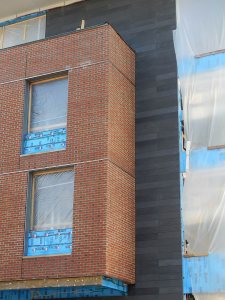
(204,274)
(49,242)
(23,18)
(182,162)
(208,63)
(44,141)
(204,158)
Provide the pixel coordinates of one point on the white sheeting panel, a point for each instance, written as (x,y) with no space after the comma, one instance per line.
(200,34)
(49,105)
(23,32)
(204,211)
(53,201)
(200,30)
(209,296)
(202,22)
(203,97)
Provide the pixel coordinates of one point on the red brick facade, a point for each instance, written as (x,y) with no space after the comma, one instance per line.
(100,145)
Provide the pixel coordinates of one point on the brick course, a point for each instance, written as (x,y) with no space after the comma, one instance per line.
(100,145)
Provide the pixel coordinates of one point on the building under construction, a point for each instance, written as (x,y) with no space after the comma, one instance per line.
(112,156)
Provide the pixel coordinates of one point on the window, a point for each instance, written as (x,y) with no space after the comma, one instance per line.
(48,104)
(52,200)
(50,213)
(22,32)
(46,118)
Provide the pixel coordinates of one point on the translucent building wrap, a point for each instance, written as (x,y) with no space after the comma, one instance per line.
(200,50)
(200,32)
(22,32)
(209,297)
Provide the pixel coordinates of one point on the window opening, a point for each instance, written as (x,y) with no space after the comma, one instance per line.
(46,117)
(23,32)
(52,200)
(50,213)
(48,104)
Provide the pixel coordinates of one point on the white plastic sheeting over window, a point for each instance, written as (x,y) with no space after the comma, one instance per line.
(202,24)
(199,43)
(203,97)
(204,211)
(53,201)
(209,296)
(23,32)
(49,105)
(200,50)
(200,30)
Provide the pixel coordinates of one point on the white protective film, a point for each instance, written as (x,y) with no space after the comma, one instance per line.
(200,31)
(209,296)
(203,23)
(24,32)
(204,211)
(53,201)
(203,97)
(14,35)
(35,29)
(200,50)
(49,105)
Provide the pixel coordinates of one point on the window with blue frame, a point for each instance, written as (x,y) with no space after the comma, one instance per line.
(47,115)
(50,213)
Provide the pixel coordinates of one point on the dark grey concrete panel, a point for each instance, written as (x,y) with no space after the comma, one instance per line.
(146,25)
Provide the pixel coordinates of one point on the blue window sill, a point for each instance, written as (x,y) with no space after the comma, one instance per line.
(49,242)
(45,141)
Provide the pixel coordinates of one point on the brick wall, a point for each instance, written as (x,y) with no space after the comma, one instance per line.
(100,145)
(120,224)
